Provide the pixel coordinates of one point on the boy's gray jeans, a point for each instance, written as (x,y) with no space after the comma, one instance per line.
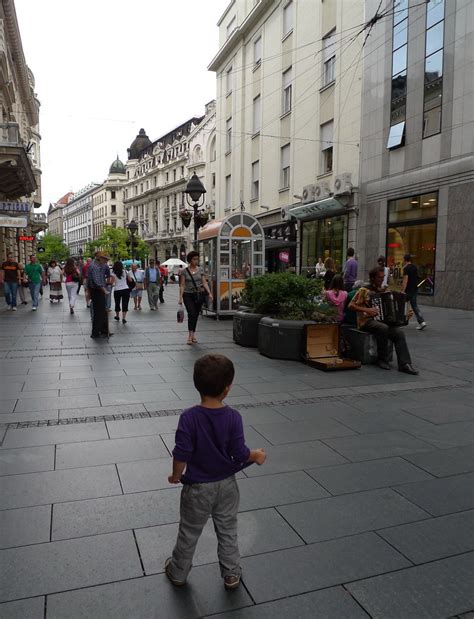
(219,499)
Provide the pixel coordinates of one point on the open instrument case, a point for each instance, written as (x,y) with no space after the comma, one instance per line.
(322,348)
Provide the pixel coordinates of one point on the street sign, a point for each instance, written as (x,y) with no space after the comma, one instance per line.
(13,222)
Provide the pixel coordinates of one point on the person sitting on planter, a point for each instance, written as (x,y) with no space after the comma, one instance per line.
(367,321)
(336,295)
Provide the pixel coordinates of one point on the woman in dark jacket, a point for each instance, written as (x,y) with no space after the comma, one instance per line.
(330,272)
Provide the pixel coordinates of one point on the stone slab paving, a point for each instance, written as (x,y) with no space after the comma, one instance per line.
(364,507)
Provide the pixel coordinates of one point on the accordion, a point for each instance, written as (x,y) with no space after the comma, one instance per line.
(392,307)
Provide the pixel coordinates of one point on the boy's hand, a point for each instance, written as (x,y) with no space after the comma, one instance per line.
(260,456)
(173,480)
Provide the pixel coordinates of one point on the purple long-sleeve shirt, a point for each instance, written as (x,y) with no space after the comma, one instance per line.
(211,442)
(350,271)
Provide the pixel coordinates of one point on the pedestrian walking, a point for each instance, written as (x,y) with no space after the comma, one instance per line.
(97,275)
(121,290)
(55,277)
(162,280)
(210,449)
(138,275)
(85,268)
(192,288)
(11,279)
(329,273)
(73,277)
(381,261)
(350,270)
(337,296)
(152,283)
(410,288)
(165,272)
(23,285)
(34,273)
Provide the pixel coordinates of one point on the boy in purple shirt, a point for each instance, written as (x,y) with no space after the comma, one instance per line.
(210,448)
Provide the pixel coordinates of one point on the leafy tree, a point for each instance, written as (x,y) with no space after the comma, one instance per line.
(115,241)
(54,247)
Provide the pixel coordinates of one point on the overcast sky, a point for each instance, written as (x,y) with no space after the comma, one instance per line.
(106,68)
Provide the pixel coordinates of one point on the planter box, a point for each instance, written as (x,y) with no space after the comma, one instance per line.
(281,339)
(245,328)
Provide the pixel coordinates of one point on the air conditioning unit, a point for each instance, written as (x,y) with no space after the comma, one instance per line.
(285,213)
(322,191)
(308,194)
(342,184)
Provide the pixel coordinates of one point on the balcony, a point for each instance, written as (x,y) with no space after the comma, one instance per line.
(16,173)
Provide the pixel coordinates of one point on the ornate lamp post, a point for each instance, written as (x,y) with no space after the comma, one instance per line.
(132,228)
(194,191)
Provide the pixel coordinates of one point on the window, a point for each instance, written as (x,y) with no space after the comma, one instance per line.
(113,209)
(228,134)
(228,194)
(112,195)
(285,166)
(255,180)
(213,180)
(174,174)
(182,170)
(228,80)
(329,58)
(114,223)
(399,74)
(411,229)
(256,115)
(433,87)
(287,18)
(287,87)
(257,50)
(231,26)
(326,132)
(167,176)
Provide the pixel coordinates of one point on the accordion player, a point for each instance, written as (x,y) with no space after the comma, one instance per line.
(392,307)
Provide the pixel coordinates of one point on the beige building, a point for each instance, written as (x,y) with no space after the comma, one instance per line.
(107,200)
(55,215)
(157,174)
(20,171)
(288,124)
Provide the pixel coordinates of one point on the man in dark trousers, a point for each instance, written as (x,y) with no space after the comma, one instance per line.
(410,288)
(97,275)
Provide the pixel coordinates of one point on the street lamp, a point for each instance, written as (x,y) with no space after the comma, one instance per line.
(194,191)
(132,230)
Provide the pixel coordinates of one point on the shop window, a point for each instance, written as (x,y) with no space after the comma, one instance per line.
(323,238)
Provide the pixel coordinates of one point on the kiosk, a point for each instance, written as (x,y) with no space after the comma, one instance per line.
(231,250)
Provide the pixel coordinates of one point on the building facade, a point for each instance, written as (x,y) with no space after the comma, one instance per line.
(77,220)
(288,124)
(55,215)
(20,165)
(107,200)
(157,173)
(417,147)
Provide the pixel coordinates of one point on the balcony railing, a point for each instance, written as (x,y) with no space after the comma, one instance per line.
(10,134)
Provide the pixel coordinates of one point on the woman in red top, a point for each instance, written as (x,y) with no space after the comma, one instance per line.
(336,295)
(72,278)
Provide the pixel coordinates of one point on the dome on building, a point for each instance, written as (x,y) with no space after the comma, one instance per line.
(139,143)
(117,167)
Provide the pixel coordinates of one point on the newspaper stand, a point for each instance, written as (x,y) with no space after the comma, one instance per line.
(231,250)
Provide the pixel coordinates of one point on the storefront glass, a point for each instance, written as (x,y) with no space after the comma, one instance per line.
(322,238)
(412,230)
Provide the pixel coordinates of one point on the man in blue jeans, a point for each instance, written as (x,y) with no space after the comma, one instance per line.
(34,273)
(11,280)
(410,288)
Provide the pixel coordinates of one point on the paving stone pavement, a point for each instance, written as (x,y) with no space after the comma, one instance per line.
(364,508)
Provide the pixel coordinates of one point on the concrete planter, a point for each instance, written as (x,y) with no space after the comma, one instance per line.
(281,339)
(245,328)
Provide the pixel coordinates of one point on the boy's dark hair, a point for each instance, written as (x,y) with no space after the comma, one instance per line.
(407,257)
(191,255)
(374,272)
(350,251)
(212,374)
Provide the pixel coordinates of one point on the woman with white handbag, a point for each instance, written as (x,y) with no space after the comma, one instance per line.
(138,275)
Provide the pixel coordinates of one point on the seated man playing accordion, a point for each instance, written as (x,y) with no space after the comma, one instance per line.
(368,319)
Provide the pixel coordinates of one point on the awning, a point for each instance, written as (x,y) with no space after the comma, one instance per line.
(329,207)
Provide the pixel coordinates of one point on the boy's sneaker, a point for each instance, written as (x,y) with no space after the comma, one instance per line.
(171,578)
(13,309)
(421,326)
(232,581)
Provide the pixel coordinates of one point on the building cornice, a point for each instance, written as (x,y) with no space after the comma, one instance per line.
(222,56)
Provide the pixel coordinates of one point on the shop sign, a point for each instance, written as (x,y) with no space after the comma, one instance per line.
(12,222)
(15,207)
(313,209)
(26,238)
(284,256)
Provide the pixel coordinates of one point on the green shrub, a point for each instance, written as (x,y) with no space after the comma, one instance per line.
(282,295)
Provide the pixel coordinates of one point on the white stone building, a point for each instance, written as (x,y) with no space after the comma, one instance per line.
(77,220)
(107,200)
(288,123)
(55,215)
(157,174)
